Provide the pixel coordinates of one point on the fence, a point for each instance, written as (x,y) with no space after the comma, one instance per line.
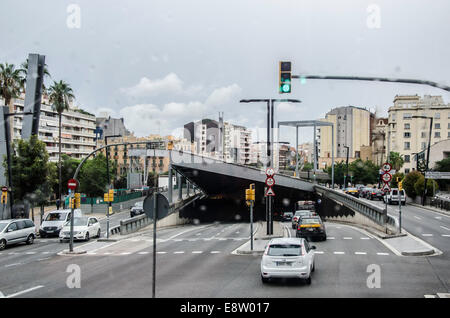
(441,203)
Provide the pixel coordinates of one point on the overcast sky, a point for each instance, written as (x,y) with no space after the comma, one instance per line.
(161,64)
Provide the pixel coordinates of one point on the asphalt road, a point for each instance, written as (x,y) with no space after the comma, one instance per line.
(196,261)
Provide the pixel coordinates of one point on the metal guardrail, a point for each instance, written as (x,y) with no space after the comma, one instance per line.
(440,203)
(374,213)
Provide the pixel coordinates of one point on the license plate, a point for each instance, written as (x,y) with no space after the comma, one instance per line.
(310,229)
(50,231)
(284,263)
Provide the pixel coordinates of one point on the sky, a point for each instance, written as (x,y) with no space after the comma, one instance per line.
(161,64)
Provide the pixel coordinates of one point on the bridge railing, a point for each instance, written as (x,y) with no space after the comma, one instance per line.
(374,213)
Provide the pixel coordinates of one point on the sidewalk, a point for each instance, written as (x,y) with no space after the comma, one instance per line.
(431,208)
(261,239)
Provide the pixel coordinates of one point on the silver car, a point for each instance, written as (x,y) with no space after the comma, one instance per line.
(288,258)
(16,231)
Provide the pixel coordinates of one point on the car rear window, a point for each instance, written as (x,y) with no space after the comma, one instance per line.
(285,250)
(310,221)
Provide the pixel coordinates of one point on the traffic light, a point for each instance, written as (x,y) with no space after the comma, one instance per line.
(77,200)
(400,186)
(170,145)
(4,197)
(285,78)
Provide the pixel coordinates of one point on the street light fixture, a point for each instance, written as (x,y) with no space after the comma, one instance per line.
(428,155)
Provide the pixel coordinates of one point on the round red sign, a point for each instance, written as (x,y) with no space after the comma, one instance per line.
(72,184)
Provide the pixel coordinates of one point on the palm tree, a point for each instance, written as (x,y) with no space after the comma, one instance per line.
(59,95)
(11,85)
(396,160)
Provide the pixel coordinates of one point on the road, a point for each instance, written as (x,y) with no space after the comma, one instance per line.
(196,261)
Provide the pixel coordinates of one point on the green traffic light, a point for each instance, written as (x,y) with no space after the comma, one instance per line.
(286,88)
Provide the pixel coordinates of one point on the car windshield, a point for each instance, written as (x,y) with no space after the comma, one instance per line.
(3,225)
(56,216)
(78,222)
(139,204)
(285,250)
(287,213)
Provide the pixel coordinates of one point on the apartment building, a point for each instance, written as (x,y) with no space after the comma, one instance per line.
(379,141)
(409,135)
(77,133)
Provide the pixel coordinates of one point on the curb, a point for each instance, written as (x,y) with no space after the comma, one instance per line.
(67,253)
(249,252)
(106,240)
(430,209)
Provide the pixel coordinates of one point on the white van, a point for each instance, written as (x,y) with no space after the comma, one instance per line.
(392,197)
(54,221)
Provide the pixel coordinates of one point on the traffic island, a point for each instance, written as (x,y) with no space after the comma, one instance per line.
(67,252)
(260,239)
(410,245)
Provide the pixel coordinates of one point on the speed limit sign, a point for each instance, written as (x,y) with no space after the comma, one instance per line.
(387,177)
(270,181)
(386,167)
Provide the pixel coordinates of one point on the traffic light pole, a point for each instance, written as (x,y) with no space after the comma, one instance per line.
(399,209)
(72,204)
(251,226)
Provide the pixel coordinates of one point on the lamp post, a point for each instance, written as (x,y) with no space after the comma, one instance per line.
(428,156)
(109,181)
(346,174)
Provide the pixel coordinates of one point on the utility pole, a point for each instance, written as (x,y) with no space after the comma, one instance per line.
(108,209)
(346,174)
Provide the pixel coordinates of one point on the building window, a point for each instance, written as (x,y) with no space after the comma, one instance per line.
(407,116)
(406,170)
(407,135)
(407,158)
(437,134)
(448,135)
(424,134)
(407,126)
(437,126)
(407,145)
(423,145)
(437,115)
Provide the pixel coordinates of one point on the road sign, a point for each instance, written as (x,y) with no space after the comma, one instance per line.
(270,181)
(386,188)
(4,189)
(387,177)
(269,192)
(270,172)
(430,175)
(386,167)
(72,184)
(162,206)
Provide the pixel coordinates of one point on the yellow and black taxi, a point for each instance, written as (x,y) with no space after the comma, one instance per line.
(352,191)
(311,227)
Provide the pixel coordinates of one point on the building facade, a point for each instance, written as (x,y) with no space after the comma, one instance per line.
(77,132)
(408,135)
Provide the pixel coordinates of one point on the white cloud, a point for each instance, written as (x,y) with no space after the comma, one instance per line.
(223,95)
(171,84)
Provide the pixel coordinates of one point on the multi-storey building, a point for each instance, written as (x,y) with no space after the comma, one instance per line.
(379,141)
(111,126)
(408,135)
(352,130)
(77,133)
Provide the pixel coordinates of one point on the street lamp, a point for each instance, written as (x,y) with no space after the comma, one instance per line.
(109,181)
(346,174)
(428,155)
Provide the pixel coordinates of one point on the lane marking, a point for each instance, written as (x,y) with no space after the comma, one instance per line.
(179,252)
(446,235)
(427,234)
(360,253)
(178,240)
(330,238)
(143,253)
(445,228)
(125,253)
(11,265)
(365,238)
(438,217)
(43,259)
(382,253)
(318,252)
(24,291)
(30,253)
(215,252)
(347,238)
(417,217)
(338,253)
(107,253)
(197,252)
(45,252)
(161,252)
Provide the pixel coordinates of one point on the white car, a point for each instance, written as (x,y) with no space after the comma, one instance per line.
(55,220)
(393,196)
(16,231)
(288,258)
(83,229)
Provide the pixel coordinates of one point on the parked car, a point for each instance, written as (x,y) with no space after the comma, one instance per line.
(55,220)
(298,214)
(137,209)
(393,197)
(352,191)
(311,227)
(16,231)
(364,192)
(288,258)
(287,216)
(83,229)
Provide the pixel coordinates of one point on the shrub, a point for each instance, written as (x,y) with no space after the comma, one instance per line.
(409,182)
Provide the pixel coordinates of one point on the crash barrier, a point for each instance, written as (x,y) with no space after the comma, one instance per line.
(441,203)
(376,216)
(136,223)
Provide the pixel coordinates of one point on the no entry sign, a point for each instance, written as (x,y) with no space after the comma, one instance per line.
(72,184)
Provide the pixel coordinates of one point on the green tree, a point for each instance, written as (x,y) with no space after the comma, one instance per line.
(11,83)
(409,182)
(93,177)
(120,182)
(60,94)
(31,171)
(444,166)
(308,166)
(394,183)
(339,172)
(365,172)
(420,184)
(68,167)
(396,160)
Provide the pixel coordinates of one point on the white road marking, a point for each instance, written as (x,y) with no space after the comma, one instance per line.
(178,240)
(179,252)
(107,253)
(438,217)
(215,252)
(427,234)
(222,239)
(360,253)
(207,239)
(143,253)
(43,259)
(446,235)
(417,217)
(347,238)
(445,228)
(15,264)
(192,240)
(430,296)
(330,238)
(13,253)
(197,252)
(365,238)
(338,253)
(161,252)
(30,253)
(382,253)
(91,253)
(318,252)
(24,291)
(125,253)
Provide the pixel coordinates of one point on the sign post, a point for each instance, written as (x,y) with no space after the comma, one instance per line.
(386,177)
(250,198)
(72,184)
(270,182)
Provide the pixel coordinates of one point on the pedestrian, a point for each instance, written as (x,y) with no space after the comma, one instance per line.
(58,203)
